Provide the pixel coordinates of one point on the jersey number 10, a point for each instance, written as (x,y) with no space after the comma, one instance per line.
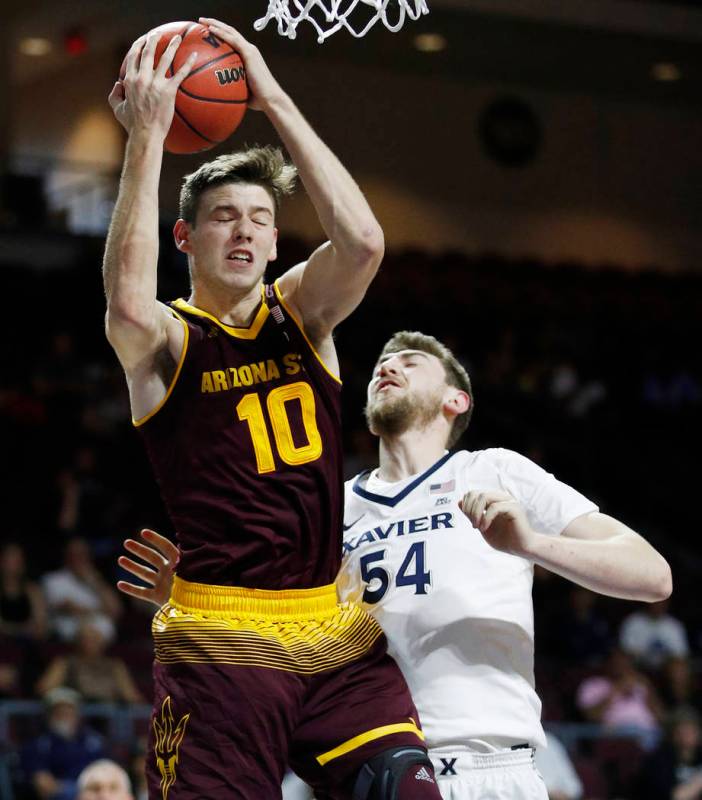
(250,410)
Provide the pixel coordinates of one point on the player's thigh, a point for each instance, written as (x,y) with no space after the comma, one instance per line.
(220,731)
(351,715)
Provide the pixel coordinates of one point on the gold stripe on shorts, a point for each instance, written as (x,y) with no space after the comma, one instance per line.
(369,736)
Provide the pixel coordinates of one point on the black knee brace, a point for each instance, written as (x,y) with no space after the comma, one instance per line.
(379,778)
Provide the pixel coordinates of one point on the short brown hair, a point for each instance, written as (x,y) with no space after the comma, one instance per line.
(263,166)
(456,374)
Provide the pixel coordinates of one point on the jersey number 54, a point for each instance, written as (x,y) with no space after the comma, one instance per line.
(412,572)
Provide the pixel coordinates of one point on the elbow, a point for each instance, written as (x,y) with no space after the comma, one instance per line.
(665,583)
(374,240)
(370,248)
(123,315)
(660,584)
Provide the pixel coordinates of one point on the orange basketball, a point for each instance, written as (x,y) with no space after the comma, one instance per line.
(211,101)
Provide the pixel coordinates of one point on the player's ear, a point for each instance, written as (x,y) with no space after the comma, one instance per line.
(457,403)
(181,234)
(274,247)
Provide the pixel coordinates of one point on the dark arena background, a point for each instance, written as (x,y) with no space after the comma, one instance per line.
(537,169)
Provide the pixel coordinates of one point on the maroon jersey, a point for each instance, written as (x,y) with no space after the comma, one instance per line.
(247,452)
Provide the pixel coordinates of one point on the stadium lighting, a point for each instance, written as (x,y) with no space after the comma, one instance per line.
(430,42)
(35,46)
(666,72)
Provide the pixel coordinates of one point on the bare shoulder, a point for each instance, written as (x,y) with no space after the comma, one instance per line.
(317,332)
(137,338)
(175,329)
(289,286)
(151,376)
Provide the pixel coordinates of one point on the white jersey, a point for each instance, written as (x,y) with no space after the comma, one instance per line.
(457,613)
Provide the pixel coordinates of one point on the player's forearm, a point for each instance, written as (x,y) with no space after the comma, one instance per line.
(343,211)
(622,565)
(131,251)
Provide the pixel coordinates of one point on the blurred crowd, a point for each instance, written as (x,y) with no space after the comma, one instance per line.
(594,374)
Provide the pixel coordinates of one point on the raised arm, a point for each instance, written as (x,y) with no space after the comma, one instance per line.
(329,286)
(595,550)
(137,325)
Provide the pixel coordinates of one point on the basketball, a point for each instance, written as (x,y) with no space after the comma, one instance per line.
(211,101)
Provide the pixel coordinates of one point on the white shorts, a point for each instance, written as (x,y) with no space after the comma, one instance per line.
(503,775)
(500,775)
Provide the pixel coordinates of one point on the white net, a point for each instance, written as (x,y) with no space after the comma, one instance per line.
(330,16)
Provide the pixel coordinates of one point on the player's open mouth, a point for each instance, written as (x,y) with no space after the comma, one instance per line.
(385,383)
(240,256)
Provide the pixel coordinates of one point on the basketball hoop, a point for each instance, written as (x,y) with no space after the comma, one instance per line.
(329,16)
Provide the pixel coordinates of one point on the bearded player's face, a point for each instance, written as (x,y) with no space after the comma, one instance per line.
(234,237)
(406,391)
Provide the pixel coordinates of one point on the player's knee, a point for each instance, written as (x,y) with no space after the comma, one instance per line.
(402,773)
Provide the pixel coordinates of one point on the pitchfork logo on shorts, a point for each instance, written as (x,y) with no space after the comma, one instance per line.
(168,737)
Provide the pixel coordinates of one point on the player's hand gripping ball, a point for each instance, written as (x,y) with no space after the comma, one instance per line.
(211,101)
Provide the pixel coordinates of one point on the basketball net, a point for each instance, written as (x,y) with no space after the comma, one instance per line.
(329,16)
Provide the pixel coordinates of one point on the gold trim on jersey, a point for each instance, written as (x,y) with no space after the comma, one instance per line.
(304,631)
(302,331)
(186,338)
(369,736)
(241,333)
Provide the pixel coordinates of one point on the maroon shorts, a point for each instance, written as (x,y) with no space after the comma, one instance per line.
(250,681)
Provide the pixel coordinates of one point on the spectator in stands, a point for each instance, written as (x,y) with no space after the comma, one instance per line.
(557,770)
(104,780)
(53,761)
(622,700)
(674,770)
(78,592)
(59,374)
(22,606)
(651,635)
(84,500)
(9,679)
(679,686)
(96,676)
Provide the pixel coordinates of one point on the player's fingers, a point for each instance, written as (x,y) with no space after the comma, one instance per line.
(225,32)
(493,511)
(466,503)
(138,570)
(473,506)
(184,70)
(132,60)
(481,503)
(167,56)
(117,95)
(165,546)
(140,592)
(148,554)
(146,62)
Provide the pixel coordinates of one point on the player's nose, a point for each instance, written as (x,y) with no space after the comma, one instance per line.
(389,367)
(244,230)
